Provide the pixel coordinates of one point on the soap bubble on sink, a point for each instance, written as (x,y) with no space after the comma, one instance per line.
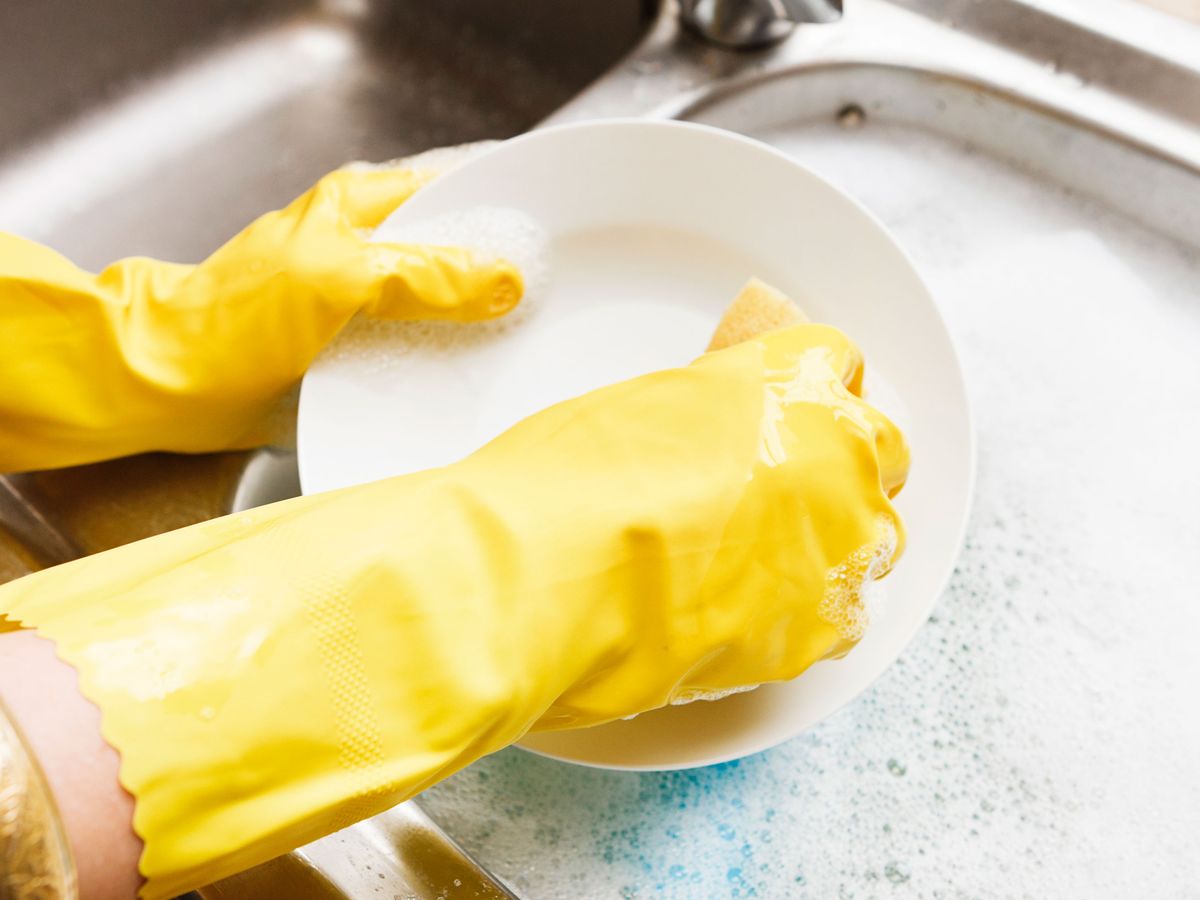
(375,346)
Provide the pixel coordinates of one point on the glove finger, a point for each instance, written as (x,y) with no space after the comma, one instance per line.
(841,359)
(414,281)
(891,448)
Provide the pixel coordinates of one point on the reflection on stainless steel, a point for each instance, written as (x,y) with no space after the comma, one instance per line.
(748,24)
(271,474)
(211,114)
(400,853)
(130,127)
(23,516)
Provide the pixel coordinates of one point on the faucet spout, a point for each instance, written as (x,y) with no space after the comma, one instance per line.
(750,24)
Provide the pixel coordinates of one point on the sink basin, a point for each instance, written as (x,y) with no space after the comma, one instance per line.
(132,127)
(126,128)
(1043,168)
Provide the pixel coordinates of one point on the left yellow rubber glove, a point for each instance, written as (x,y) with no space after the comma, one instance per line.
(150,355)
(274,675)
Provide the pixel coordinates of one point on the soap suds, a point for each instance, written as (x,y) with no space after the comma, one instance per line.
(1037,738)
(692,695)
(369,346)
(854,595)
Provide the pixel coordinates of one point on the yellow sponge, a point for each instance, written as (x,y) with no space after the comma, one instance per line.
(758,308)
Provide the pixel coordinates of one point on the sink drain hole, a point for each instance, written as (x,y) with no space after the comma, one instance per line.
(851,116)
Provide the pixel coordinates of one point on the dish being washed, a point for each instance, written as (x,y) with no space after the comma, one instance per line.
(649,229)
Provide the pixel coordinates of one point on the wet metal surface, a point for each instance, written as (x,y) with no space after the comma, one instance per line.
(138,127)
(135,127)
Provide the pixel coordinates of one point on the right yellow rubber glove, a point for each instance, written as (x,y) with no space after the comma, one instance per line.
(151,355)
(275,675)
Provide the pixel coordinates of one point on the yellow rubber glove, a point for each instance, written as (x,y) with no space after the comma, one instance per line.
(150,355)
(275,675)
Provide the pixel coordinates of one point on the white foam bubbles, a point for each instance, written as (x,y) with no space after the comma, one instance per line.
(491,232)
(693,694)
(370,347)
(854,595)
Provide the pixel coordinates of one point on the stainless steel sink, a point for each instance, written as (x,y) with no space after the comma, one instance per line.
(1041,161)
(138,127)
(130,126)
(134,127)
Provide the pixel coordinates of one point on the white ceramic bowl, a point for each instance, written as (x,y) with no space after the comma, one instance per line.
(654,227)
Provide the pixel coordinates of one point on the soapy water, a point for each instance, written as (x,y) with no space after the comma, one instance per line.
(371,347)
(1038,737)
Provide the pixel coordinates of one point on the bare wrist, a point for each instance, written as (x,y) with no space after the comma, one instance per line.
(83,804)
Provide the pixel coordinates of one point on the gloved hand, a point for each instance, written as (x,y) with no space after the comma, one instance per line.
(150,355)
(274,675)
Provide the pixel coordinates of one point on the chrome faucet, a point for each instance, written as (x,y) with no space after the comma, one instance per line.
(746,24)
